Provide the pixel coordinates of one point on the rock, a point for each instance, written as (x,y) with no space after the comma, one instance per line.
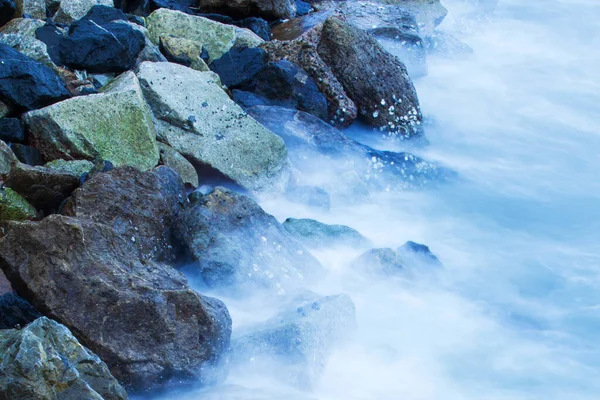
(140,206)
(297,343)
(30,47)
(122,133)
(217,38)
(444,44)
(315,234)
(11,130)
(73,10)
(235,244)
(5,286)
(31,8)
(307,27)
(44,188)
(246,38)
(257,25)
(8,9)
(27,154)
(183,51)
(428,13)
(383,261)
(174,160)
(268,9)
(103,15)
(239,66)
(287,85)
(44,361)
(74,168)
(416,255)
(14,207)
(4,110)
(112,47)
(51,36)
(151,53)
(212,131)
(52,7)
(7,159)
(158,329)
(311,196)
(303,8)
(333,155)
(407,47)
(15,311)
(26,84)
(22,26)
(248,99)
(377,81)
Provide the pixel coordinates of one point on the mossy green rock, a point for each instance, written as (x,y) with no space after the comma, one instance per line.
(44,361)
(183,51)
(13,207)
(114,125)
(72,167)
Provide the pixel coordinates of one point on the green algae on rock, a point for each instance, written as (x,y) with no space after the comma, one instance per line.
(72,167)
(13,207)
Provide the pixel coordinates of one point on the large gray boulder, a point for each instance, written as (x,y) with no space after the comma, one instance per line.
(141,318)
(373,78)
(43,361)
(235,243)
(195,116)
(114,125)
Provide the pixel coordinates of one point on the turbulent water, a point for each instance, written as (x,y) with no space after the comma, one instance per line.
(515,313)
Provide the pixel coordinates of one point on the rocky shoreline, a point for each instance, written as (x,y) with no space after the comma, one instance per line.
(135,138)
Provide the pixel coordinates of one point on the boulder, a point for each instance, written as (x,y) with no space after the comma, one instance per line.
(212,131)
(14,207)
(246,38)
(174,160)
(407,47)
(22,26)
(4,110)
(8,8)
(72,10)
(51,36)
(15,311)
(235,243)
(297,343)
(428,13)
(103,15)
(257,25)
(111,47)
(30,47)
(26,84)
(384,261)
(142,319)
(377,81)
(27,154)
(183,51)
(238,66)
(310,196)
(140,206)
(315,234)
(31,8)
(11,130)
(216,37)
(269,9)
(5,286)
(287,85)
(44,361)
(75,168)
(76,129)
(7,159)
(416,255)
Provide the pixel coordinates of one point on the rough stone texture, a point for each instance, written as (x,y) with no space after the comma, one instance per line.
(114,125)
(44,188)
(26,84)
(183,51)
(258,26)
(235,243)
(11,130)
(428,13)
(51,36)
(174,160)
(27,154)
(7,159)
(142,319)
(377,81)
(14,207)
(74,168)
(8,9)
(102,15)
(246,38)
(316,234)
(212,130)
(72,10)
(299,341)
(140,206)
(5,286)
(15,311)
(30,47)
(269,9)
(22,26)
(239,66)
(44,361)
(31,8)
(4,110)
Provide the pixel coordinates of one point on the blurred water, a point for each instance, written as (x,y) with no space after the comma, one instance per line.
(515,314)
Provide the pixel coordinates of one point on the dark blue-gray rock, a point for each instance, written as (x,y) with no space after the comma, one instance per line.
(7,11)
(235,244)
(26,84)
(103,15)
(418,255)
(297,343)
(11,130)
(179,5)
(16,311)
(268,9)
(256,25)
(239,66)
(311,196)
(136,19)
(27,154)
(141,318)
(315,234)
(286,84)
(303,8)
(334,154)
(112,47)
(249,99)
(52,36)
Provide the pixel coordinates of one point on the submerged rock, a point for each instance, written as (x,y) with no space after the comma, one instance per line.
(410,256)
(44,361)
(316,234)
(298,342)
(418,255)
(142,319)
(15,311)
(236,244)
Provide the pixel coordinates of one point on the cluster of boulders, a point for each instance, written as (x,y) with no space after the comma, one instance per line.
(134,136)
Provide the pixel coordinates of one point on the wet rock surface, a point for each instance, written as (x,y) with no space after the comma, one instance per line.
(315,234)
